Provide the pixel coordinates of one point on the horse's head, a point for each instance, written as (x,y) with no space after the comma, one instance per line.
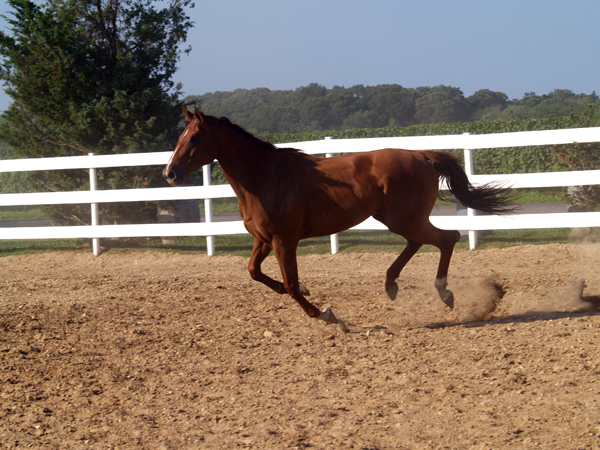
(195,148)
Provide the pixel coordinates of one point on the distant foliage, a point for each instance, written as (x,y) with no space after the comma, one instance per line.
(316,108)
(579,156)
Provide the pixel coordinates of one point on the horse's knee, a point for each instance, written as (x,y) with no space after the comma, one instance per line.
(451,237)
(253,273)
(446,242)
(456,236)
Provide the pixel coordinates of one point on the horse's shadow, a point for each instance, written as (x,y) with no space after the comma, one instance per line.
(592,310)
(534,316)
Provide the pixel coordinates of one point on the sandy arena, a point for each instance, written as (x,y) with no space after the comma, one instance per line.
(156,350)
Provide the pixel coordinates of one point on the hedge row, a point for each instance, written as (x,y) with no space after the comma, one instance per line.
(508,160)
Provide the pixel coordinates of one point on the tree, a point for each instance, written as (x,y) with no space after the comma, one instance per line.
(484,98)
(363,119)
(484,102)
(316,108)
(394,104)
(442,104)
(92,76)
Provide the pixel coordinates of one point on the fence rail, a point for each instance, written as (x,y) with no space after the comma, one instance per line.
(466,142)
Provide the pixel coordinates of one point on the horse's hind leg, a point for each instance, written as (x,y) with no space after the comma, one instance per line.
(419,234)
(259,252)
(446,246)
(391,287)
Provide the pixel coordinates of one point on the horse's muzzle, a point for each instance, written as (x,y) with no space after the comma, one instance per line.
(173,175)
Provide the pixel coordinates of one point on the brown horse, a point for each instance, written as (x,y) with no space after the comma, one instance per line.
(286,195)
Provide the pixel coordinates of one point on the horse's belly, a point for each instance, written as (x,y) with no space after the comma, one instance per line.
(330,223)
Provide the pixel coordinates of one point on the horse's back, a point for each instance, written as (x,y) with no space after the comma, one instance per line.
(399,168)
(383,173)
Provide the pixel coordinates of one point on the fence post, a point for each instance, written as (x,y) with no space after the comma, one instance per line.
(210,240)
(469,170)
(335,242)
(94,206)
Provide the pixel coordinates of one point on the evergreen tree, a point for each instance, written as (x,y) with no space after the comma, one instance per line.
(92,76)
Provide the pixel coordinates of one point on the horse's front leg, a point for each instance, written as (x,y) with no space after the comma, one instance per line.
(259,253)
(285,252)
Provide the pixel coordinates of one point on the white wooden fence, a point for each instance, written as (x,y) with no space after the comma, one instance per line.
(329,147)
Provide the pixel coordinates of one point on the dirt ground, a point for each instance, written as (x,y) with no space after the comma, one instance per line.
(152,350)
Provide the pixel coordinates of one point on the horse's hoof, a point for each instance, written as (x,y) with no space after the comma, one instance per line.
(448,298)
(303,290)
(327,316)
(392,291)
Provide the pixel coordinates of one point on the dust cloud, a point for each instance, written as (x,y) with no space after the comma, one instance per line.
(479,298)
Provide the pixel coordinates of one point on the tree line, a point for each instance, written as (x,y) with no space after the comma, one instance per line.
(317,108)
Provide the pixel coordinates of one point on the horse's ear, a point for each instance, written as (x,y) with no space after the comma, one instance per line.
(198,115)
(188,115)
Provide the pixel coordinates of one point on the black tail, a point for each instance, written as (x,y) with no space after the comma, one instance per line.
(489,198)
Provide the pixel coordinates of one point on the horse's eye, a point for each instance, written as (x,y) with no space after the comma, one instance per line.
(194,139)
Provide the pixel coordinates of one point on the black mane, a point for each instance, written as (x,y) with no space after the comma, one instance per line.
(264,145)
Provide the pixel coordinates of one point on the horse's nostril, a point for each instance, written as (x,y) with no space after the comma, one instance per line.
(173,175)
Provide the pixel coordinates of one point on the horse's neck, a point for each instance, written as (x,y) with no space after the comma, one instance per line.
(245,164)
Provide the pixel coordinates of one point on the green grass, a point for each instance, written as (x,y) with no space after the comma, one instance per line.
(222,205)
(349,241)
(539,195)
(20,213)
(26,246)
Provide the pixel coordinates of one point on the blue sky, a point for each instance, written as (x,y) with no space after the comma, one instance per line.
(509,46)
